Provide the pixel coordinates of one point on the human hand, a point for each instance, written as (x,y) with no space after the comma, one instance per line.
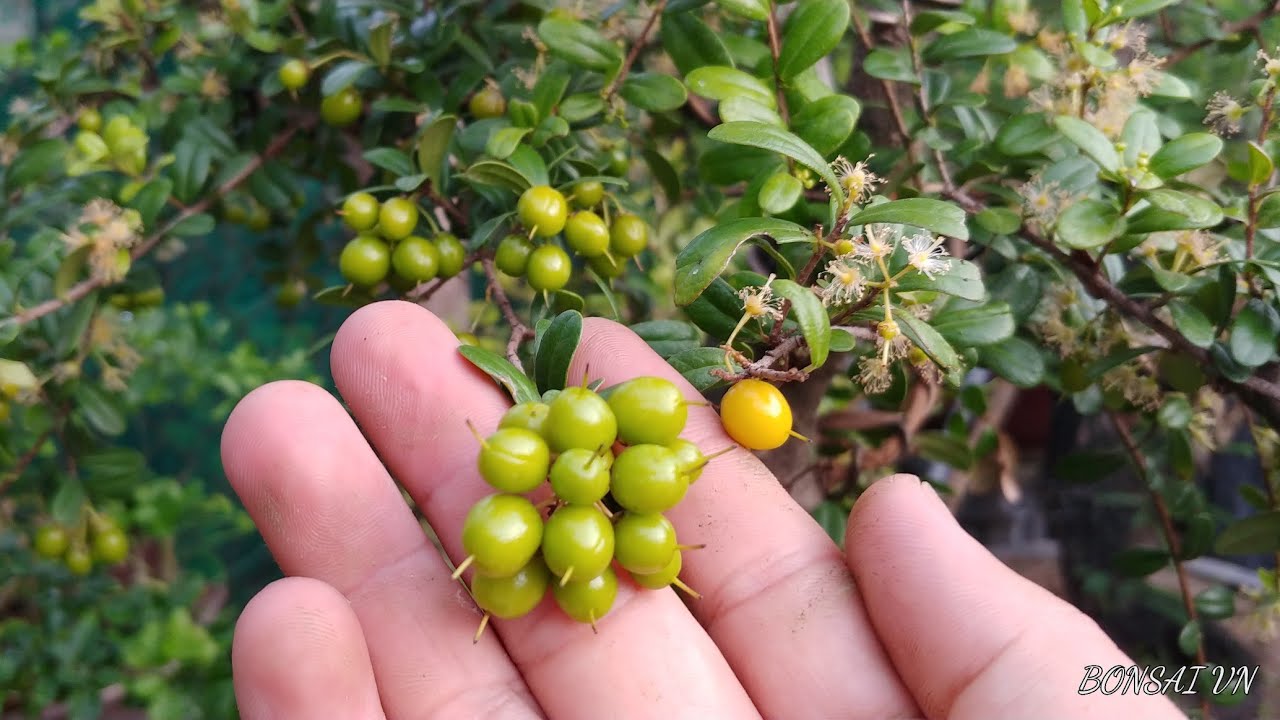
(915,619)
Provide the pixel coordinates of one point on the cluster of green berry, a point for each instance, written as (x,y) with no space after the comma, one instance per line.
(119,144)
(544,211)
(386,248)
(340,109)
(615,462)
(105,543)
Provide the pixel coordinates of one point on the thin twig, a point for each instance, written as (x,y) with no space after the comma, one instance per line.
(634,53)
(890,93)
(1170,539)
(25,461)
(84,287)
(1251,219)
(519,331)
(452,210)
(423,292)
(775,49)
(1249,24)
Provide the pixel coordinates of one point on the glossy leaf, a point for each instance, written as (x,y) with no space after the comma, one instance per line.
(505,141)
(811,315)
(780,193)
(719,82)
(497,174)
(890,65)
(937,216)
(776,139)
(580,44)
(697,366)
(749,9)
(343,75)
(742,107)
(1015,360)
(516,383)
(812,30)
(433,148)
(718,309)
(1254,535)
(827,123)
(1254,333)
(691,44)
(654,92)
(390,159)
(1024,134)
(1089,224)
(1184,154)
(668,337)
(555,351)
(927,339)
(1090,140)
(1260,165)
(708,254)
(1192,323)
(962,280)
(985,325)
(972,42)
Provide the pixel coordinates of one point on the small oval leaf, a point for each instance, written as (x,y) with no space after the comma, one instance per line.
(517,384)
(708,254)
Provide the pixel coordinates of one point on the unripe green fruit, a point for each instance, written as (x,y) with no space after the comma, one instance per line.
(294,74)
(607,266)
(501,534)
(291,293)
(110,547)
(579,418)
(580,476)
(530,416)
(690,458)
(91,146)
(577,542)
(644,542)
(588,193)
(588,601)
(488,102)
(342,108)
(664,577)
(514,460)
(549,268)
(259,218)
(416,259)
(360,211)
(90,120)
(513,596)
(78,560)
(512,255)
(365,261)
(649,410)
(397,219)
(50,542)
(452,254)
(629,235)
(647,479)
(542,209)
(586,234)
(1074,376)
(619,162)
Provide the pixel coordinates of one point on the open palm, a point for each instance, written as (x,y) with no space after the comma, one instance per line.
(914,619)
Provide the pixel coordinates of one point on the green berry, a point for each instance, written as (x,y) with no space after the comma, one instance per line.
(515,595)
(365,261)
(514,460)
(488,102)
(90,120)
(342,108)
(618,162)
(579,418)
(542,209)
(587,234)
(664,577)
(644,542)
(647,479)
(607,266)
(50,542)
(294,74)
(690,458)
(527,415)
(549,268)
(416,259)
(78,560)
(650,410)
(452,254)
(588,601)
(628,236)
(397,219)
(360,211)
(580,476)
(501,534)
(512,255)
(588,193)
(577,542)
(110,547)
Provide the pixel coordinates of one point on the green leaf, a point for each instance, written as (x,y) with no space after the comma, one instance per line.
(550,88)
(1255,535)
(1185,153)
(708,254)
(1024,134)
(41,161)
(927,21)
(1216,602)
(517,384)
(67,504)
(666,176)
(833,519)
(749,9)
(812,30)
(985,325)
(191,165)
(971,42)
(719,82)
(811,315)
(1140,562)
(195,226)
(668,337)
(842,339)
(697,364)
(150,200)
(1260,166)
(1088,224)
(99,410)
(944,448)
(1015,360)
(691,44)
(1253,334)
(780,193)
(1073,17)
(1114,359)
(1192,323)
(890,65)
(928,340)
(580,44)
(494,173)
(827,123)
(654,92)
(390,159)
(1189,638)
(962,280)
(433,148)
(1090,140)
(999,221)
(717,310)
(741,107)
(1139,8)
(937,216)
(1269,211)
(342,76)
(1089,466)
(1197,212)
(1174,412)
(69,272)
(577,108)
(505,141)
(555,351)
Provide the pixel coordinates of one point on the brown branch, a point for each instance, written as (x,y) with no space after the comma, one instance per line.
(890,93)
(423,292)
(775,49)
(634,53)
(1170,538)
(519,331)
(25,461)
(763,368)
(1249,24)
(1251,221)
(78,291)
(450,209)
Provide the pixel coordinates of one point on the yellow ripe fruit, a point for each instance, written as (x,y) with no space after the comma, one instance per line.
(756,415)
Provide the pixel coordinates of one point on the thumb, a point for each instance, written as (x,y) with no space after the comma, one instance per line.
(970,637)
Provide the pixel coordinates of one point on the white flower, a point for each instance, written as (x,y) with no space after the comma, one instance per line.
(926,254)
(759,300)
(878,246)
(845,284)
(1269,63)
(858,182)
(1225,114)
(873,375)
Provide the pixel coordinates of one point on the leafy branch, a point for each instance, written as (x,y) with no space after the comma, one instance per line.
(519,331)
(634,53)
